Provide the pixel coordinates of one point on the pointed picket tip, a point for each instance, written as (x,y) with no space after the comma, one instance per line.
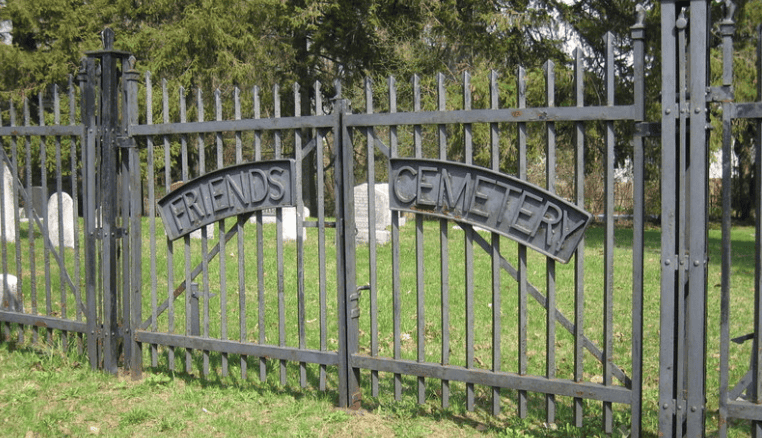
(467,90)
(521,82)
(549,66)
(608,38)
(237,102)
(578,54)
(297,99)
(255,100)
(416,82)
(494,89)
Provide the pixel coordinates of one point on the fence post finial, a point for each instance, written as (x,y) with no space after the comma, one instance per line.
(640,21)
(107,37)
(730,10)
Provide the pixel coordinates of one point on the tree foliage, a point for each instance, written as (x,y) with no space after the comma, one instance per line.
(211,43)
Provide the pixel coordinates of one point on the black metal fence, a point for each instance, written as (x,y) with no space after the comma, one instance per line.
(236,273)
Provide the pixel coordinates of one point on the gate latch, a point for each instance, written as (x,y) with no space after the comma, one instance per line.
(354,298)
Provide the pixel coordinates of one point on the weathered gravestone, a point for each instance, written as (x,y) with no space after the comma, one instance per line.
(9,298)
(381,214)
(65,227)
(38,199)
(289,221)
(7,213)
(384,188)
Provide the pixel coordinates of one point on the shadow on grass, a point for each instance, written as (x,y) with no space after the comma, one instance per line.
(399,414)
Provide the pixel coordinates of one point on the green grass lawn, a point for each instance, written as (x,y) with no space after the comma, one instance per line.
(50,391)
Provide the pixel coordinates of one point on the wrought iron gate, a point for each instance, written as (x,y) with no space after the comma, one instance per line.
(436,175)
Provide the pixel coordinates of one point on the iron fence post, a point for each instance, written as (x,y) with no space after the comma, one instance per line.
(87,85)
(108,172)
(697,212)
(682,386)
(134,241)
(667,344)
(109,130)
(638,195)
(349,378)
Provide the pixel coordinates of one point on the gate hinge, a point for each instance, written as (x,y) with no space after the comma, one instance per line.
(646,129)
(675,406)
(117,233)
(679,262)
(723,94)
(126,142)
(685,261)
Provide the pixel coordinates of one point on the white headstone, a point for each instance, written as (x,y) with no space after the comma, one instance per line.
(384,187)
(381,214)
(8,214)
(289,221)
(199,235)
(11,299)
(66,227)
